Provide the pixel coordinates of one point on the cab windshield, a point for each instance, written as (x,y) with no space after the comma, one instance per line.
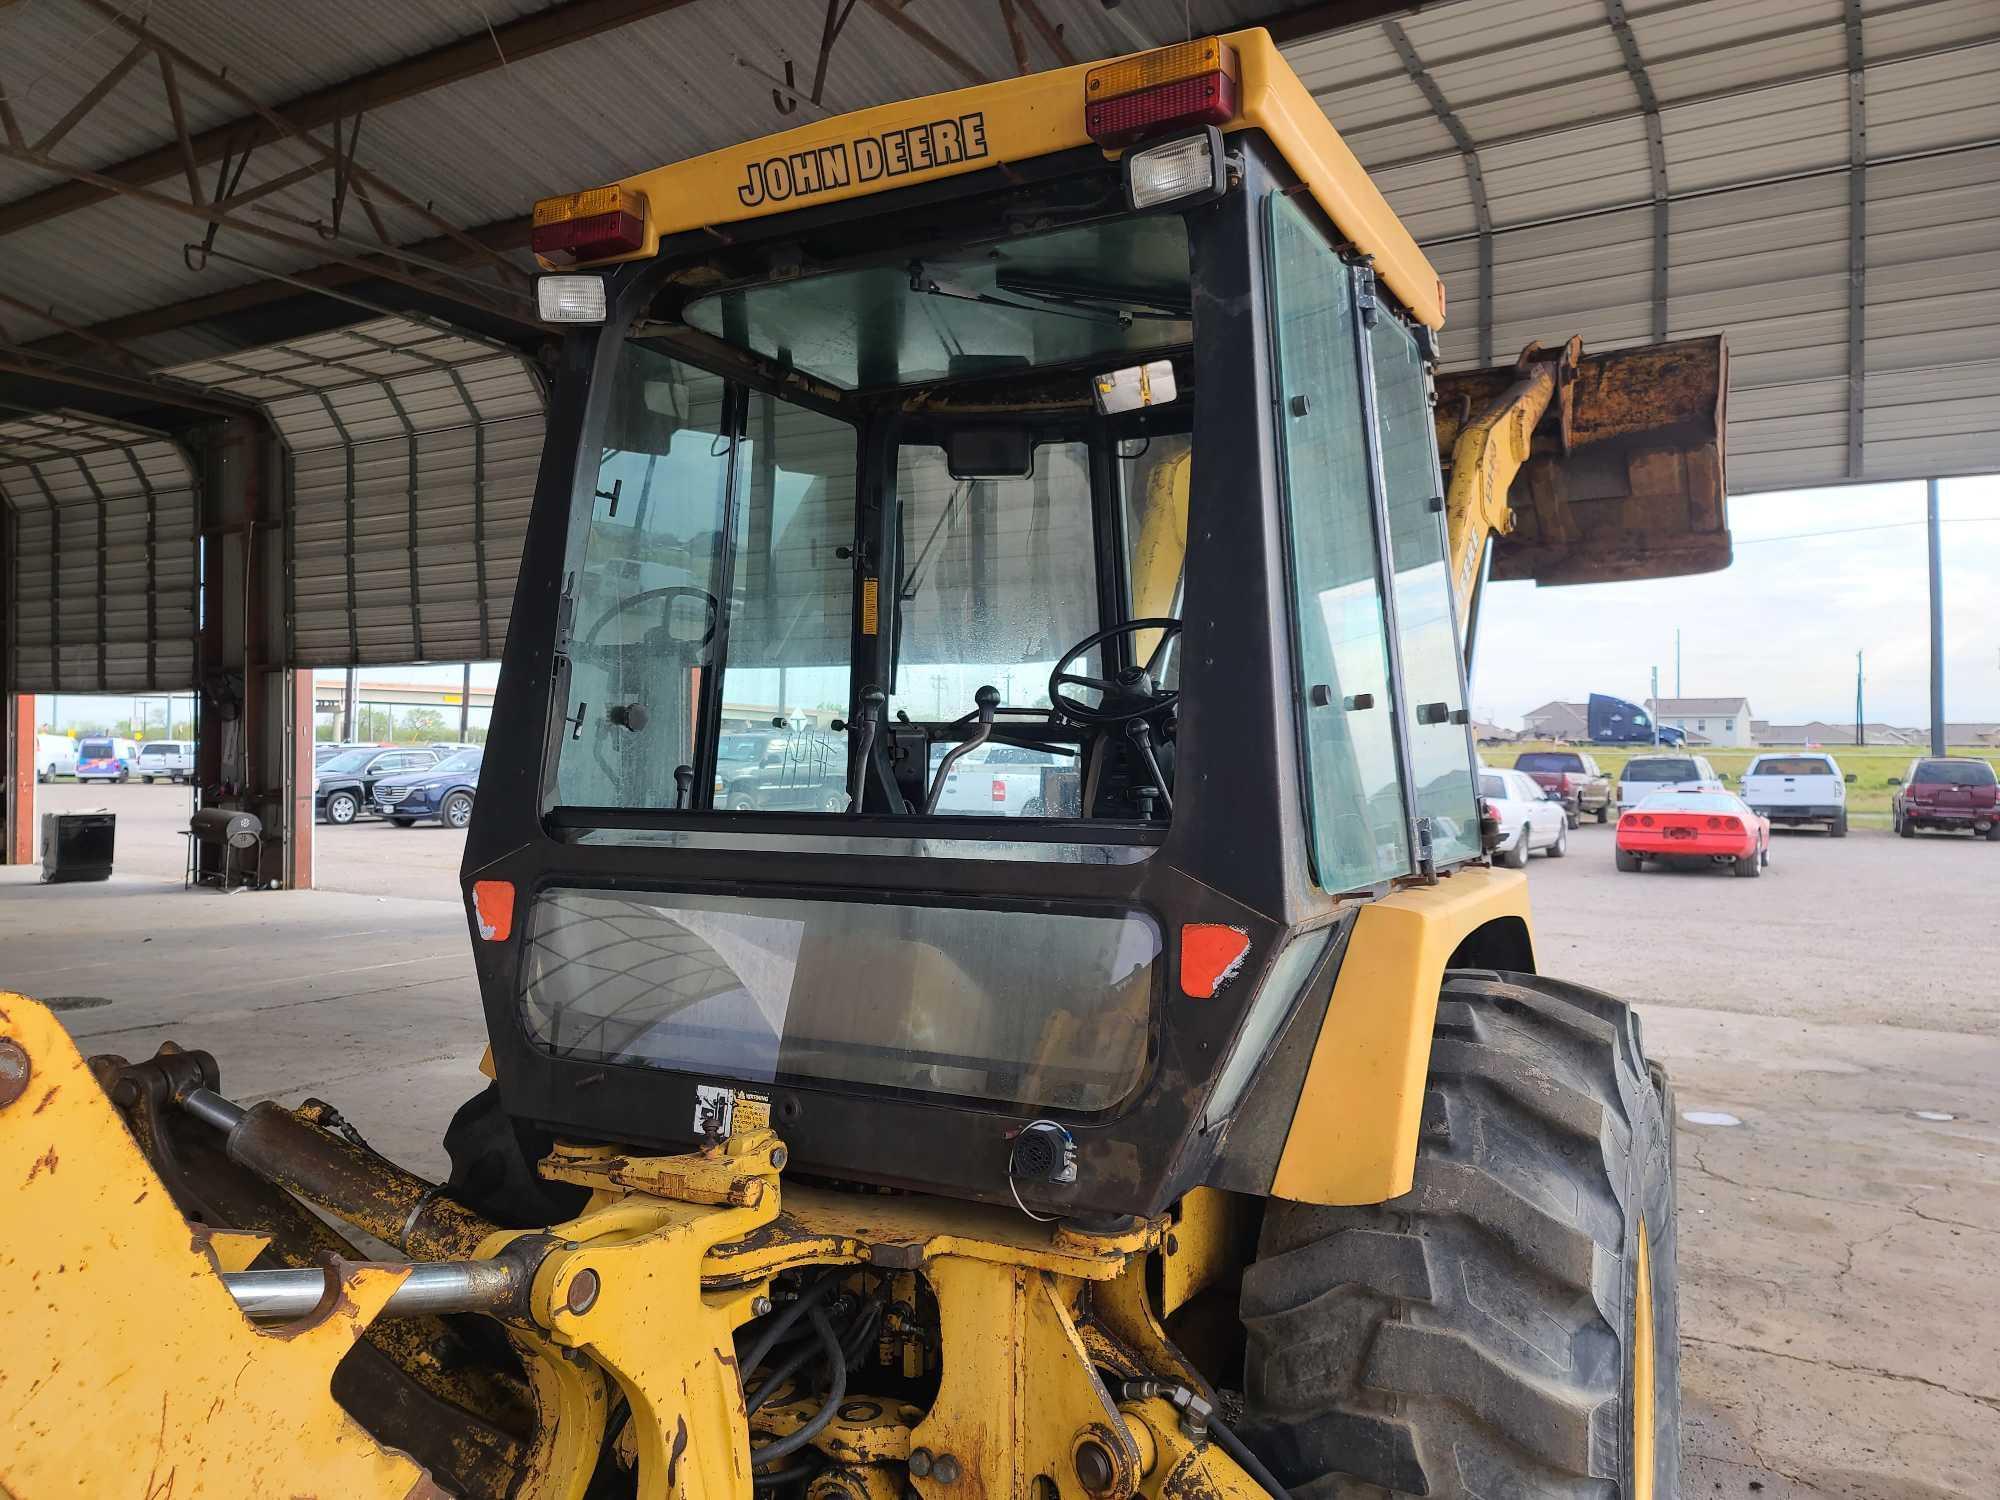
(769,609)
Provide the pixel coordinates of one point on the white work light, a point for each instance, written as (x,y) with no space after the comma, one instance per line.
(570,299)
(1191,167)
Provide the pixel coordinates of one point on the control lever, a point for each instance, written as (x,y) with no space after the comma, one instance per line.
(683,784)
(988,699)
(868,723)
(1142,739)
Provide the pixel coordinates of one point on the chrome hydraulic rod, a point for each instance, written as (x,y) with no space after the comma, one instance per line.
(211,1107)
(449,1286)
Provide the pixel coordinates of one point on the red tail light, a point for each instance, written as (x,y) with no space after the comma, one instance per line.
(1193,83)
(1489,812)
(1730,825)
(591,225)
(1645,820)
(999,790)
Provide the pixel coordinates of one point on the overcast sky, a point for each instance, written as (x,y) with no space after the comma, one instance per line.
(1818,575)
(1781,624)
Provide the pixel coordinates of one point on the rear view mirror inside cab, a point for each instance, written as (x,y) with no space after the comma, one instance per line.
(989,452)
(1150,384)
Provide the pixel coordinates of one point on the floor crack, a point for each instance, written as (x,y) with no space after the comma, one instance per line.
(1991,1402)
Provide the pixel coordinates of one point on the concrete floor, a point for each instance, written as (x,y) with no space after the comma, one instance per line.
(368,857)
(1837,1249)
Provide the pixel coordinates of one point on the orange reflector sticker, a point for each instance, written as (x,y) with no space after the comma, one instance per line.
(1211,956)
(493,909)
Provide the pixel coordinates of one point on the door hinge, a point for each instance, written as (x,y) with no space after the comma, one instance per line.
(1364,295)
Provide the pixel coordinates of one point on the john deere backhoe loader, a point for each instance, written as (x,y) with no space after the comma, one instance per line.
(1119,1072)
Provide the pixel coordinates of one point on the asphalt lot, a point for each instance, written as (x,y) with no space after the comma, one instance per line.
(1841,1338)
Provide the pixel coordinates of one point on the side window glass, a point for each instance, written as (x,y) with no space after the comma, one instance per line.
(1360,827)
(649,582)
(1427,628)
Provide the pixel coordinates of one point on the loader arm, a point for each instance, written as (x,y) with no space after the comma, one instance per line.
(1572,468)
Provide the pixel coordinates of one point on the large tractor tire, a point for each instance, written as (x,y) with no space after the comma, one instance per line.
(1508,1327)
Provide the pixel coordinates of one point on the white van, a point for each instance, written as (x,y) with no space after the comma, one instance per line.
(102,758)
(1644,775)
(168,760)
(55,755)
(1796,788)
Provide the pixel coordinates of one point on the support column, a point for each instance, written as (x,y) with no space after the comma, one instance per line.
(19,756)
(1937,620)
(256,717)
(17,724)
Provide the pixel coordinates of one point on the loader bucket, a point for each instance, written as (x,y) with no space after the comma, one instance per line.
(1625,477)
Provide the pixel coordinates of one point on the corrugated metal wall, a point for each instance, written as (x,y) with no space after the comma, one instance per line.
(411,453)
(102,596)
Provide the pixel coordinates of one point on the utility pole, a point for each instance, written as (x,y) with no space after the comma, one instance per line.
(1655,714)
(1677,661)
(1937,622)
(1860,718)
(465,707)
(347,708)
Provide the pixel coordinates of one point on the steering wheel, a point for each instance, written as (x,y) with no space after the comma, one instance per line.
(671,591)
(1129,695)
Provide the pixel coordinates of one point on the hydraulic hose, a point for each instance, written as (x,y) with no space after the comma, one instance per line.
(1199,1417)
(791,1442)
(781,1325)
(1252,1465)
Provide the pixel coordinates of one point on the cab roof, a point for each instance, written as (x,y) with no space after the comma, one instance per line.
(1015,120)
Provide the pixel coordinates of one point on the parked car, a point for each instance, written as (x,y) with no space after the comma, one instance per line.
(1530,816)
(1793,790)
(444,791)
(326,751)
(788,771)
(169,760)
(55,755)
(1954,792)
(1644,775)
(1575,779)
(102,759)
(343,787)
(1694,825)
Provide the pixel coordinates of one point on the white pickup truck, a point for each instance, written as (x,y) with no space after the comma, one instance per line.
(1001,781)
(1796,788)
(166,760)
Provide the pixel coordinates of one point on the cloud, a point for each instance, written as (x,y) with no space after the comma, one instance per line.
(1817,576)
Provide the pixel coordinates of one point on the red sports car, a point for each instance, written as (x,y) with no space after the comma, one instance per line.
(1715,827)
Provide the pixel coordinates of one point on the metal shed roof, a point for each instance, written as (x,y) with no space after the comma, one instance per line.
(1818,178)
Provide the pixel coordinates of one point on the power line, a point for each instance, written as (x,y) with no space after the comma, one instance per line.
(1799,536)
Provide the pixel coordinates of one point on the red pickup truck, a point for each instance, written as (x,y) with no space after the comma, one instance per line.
(1949,793)
(1572,778)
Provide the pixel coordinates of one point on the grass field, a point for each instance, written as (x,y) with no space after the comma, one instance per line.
(1871,765)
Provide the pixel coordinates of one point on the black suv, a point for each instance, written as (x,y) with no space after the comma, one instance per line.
(343,785)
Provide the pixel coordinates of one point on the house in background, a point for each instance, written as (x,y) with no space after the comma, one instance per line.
(1556,721)
(1719,721)
(1819,732)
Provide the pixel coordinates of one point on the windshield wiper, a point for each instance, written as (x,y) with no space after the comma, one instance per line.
(1133,302)
(929,286)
